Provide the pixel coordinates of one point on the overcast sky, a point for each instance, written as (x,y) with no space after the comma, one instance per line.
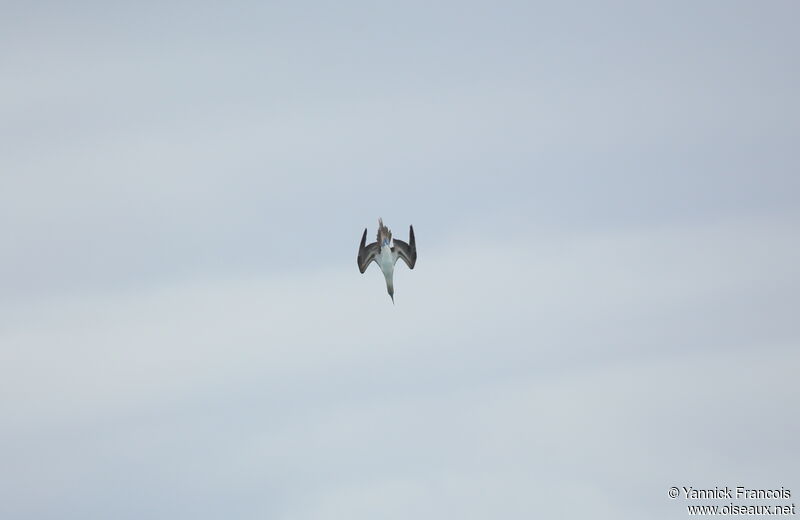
(606,201)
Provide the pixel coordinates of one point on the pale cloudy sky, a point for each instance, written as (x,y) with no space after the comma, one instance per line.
(605,303)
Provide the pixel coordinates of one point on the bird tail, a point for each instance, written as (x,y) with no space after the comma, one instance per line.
(384,233)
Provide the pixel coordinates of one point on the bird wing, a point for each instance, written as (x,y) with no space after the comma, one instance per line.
(366,254)
(408,252)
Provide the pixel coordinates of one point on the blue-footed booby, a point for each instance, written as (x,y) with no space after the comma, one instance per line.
(385,251)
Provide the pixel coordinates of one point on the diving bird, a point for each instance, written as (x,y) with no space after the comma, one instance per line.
(385,252)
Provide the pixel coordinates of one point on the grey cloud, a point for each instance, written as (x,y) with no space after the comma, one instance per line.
(605,201)
(296,395)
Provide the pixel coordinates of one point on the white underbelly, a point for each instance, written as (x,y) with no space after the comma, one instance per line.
(385,260)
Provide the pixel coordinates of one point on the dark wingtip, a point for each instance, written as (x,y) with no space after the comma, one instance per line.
(412,242)
(360,249)
(363,240)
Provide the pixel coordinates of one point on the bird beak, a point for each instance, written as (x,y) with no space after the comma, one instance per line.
(392,295)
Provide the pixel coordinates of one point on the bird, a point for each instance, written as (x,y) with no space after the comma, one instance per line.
(385,251)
